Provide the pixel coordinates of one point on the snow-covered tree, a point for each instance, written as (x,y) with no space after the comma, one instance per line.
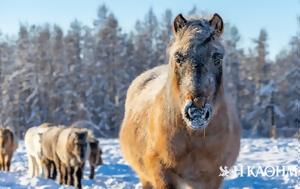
(51,75)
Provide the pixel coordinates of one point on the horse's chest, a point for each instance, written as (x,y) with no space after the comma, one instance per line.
(195,157)
(196,164)
(199,162)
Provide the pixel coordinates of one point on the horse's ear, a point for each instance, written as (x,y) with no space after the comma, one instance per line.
(217,23)
(179,23)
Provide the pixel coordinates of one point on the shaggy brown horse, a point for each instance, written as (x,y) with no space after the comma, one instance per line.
(48,146)
(94,151)
(94,154)
(71,152)
(8,144)
(179,127)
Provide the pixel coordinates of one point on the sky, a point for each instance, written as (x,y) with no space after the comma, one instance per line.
(278,17)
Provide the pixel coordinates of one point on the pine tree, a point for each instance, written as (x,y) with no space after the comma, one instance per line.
(261,52)
(59,73)
(74,107)
(164,36)
(232,63)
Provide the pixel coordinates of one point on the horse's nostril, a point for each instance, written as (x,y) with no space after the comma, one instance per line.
(199,102)
(207,115)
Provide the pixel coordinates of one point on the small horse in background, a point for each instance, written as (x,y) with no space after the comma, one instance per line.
(8,145)
(179,126)
(49,146)
(94,153)
(33,145)
(71,151)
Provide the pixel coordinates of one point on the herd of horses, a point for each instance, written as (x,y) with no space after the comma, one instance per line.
(54,152)
(179,126)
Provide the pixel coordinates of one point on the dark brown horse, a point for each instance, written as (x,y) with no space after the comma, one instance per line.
(179,126)
(94,153)
(8,145)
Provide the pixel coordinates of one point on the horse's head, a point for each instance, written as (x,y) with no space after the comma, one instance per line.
(96,153)
(78,143)
(196,67)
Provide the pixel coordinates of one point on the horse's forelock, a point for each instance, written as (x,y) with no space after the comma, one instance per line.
(196,29)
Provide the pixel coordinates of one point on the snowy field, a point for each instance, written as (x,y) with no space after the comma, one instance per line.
(115,174)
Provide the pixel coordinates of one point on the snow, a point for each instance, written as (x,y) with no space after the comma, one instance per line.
(295,105)
(268,89)
(116,174)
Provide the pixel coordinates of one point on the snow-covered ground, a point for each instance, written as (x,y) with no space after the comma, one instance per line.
(117,174)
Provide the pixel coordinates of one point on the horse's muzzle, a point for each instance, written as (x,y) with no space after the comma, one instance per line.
(197,117)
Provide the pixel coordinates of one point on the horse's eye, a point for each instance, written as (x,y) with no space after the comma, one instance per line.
(179,58)
(217,58)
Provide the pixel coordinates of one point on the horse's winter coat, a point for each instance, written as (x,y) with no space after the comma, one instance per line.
(179,127)
(33,140)
(71,151)
(8,144)
(49,158)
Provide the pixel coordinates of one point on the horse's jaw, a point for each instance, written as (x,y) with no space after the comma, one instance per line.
(197,118)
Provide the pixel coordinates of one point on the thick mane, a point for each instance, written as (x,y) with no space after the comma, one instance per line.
(196,29)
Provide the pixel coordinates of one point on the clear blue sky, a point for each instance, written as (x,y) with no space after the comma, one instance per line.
(278,17)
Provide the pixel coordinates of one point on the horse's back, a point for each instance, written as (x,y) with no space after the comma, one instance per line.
(62,138)
(46,125)
(145,88)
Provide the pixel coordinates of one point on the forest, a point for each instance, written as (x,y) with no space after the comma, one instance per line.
(51,75)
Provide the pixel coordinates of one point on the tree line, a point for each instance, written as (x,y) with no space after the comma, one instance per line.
(51,75)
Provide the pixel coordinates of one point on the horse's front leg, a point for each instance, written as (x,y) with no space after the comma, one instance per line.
(40,167)
(92,171)
(146,184)
(54,171)
(1,163)
(7,166)
(47,168)
(215,182)
(78,177)
(7,163)
(64,173)
(70,176)
(160,174)
(58,165)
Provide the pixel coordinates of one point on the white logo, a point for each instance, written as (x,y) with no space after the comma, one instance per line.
(259,171)
(224,172)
